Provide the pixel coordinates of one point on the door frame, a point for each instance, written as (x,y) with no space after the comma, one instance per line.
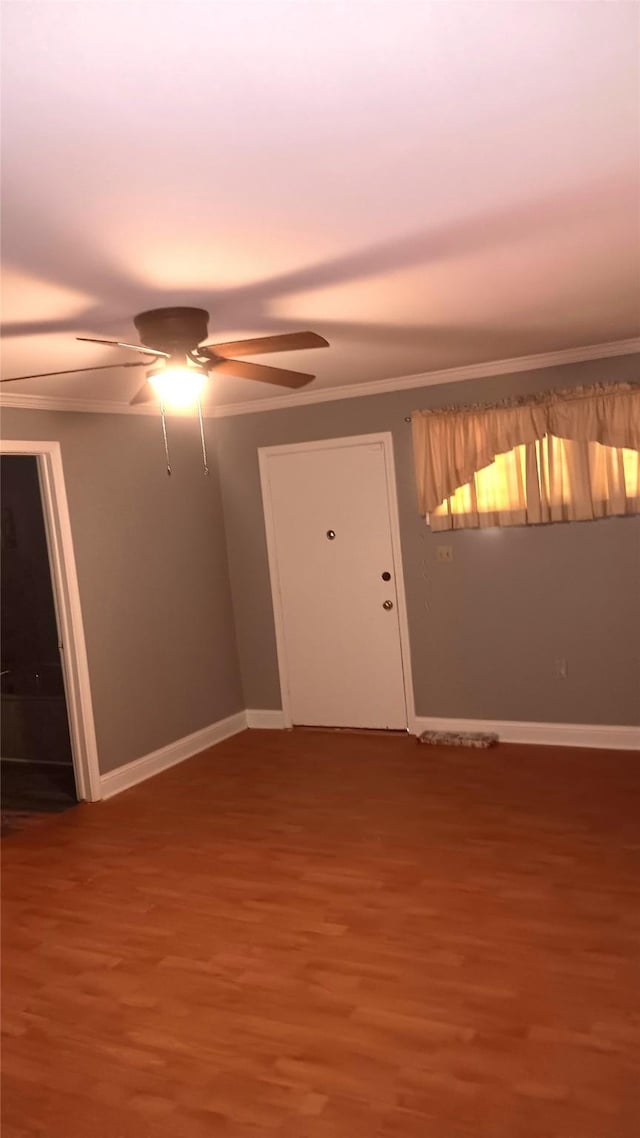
(264,455)
(66,598)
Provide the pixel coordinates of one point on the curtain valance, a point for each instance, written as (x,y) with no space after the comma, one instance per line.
(452,444)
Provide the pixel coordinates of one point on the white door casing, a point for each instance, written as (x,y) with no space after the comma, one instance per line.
(343,658)
(73,652)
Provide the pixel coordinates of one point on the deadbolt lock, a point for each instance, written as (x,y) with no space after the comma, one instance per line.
(387,605)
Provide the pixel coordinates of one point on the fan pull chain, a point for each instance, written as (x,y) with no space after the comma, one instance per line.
(165,439)
(205,461)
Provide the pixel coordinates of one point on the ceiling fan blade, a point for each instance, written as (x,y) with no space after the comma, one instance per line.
(289,342)
(146,394)
(119,344)
(73,371)
(241,370)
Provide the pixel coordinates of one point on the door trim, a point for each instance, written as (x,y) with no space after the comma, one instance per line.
(66,594)
(264,454)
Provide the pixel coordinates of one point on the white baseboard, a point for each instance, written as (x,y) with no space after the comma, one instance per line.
(543,734)
(140,769)
(509,731)
(272,720)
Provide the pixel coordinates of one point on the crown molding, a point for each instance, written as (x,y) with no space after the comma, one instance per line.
(350,391)
(60,403)
(432,378)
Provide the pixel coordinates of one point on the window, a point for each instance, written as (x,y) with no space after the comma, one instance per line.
(561,456)
(517,486)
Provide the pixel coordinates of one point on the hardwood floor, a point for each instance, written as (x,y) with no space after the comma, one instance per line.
(318,935)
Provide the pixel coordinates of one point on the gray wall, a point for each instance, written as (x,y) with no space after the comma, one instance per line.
(156,588)
(153,576)
(486,629)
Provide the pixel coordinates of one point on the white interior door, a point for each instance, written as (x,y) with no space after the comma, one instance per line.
(328,515)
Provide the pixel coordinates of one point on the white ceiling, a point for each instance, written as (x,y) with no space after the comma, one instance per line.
(429,185)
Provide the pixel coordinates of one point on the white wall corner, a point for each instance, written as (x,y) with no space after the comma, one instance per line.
(272,720)
(149,765)
(605,736)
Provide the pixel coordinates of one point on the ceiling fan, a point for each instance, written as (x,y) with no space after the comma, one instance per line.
(182,363)
(173,336)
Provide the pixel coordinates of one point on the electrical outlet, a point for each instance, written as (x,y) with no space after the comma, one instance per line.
(444,552)
(561,668)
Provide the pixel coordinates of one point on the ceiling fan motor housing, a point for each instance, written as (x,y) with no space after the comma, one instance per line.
(172,330)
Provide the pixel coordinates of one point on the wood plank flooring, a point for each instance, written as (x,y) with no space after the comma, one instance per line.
(317,935)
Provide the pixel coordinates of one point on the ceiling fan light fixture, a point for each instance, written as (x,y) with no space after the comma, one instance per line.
(178,387)
(176,337)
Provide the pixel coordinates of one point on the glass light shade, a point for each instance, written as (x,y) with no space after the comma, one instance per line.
(178,387)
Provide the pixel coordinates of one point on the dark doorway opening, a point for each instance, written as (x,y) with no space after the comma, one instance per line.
(36,766)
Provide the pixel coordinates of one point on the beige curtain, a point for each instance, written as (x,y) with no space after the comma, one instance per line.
(557,457)
(551,480)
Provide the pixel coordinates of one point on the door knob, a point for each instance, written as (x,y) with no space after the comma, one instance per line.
(387,605)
